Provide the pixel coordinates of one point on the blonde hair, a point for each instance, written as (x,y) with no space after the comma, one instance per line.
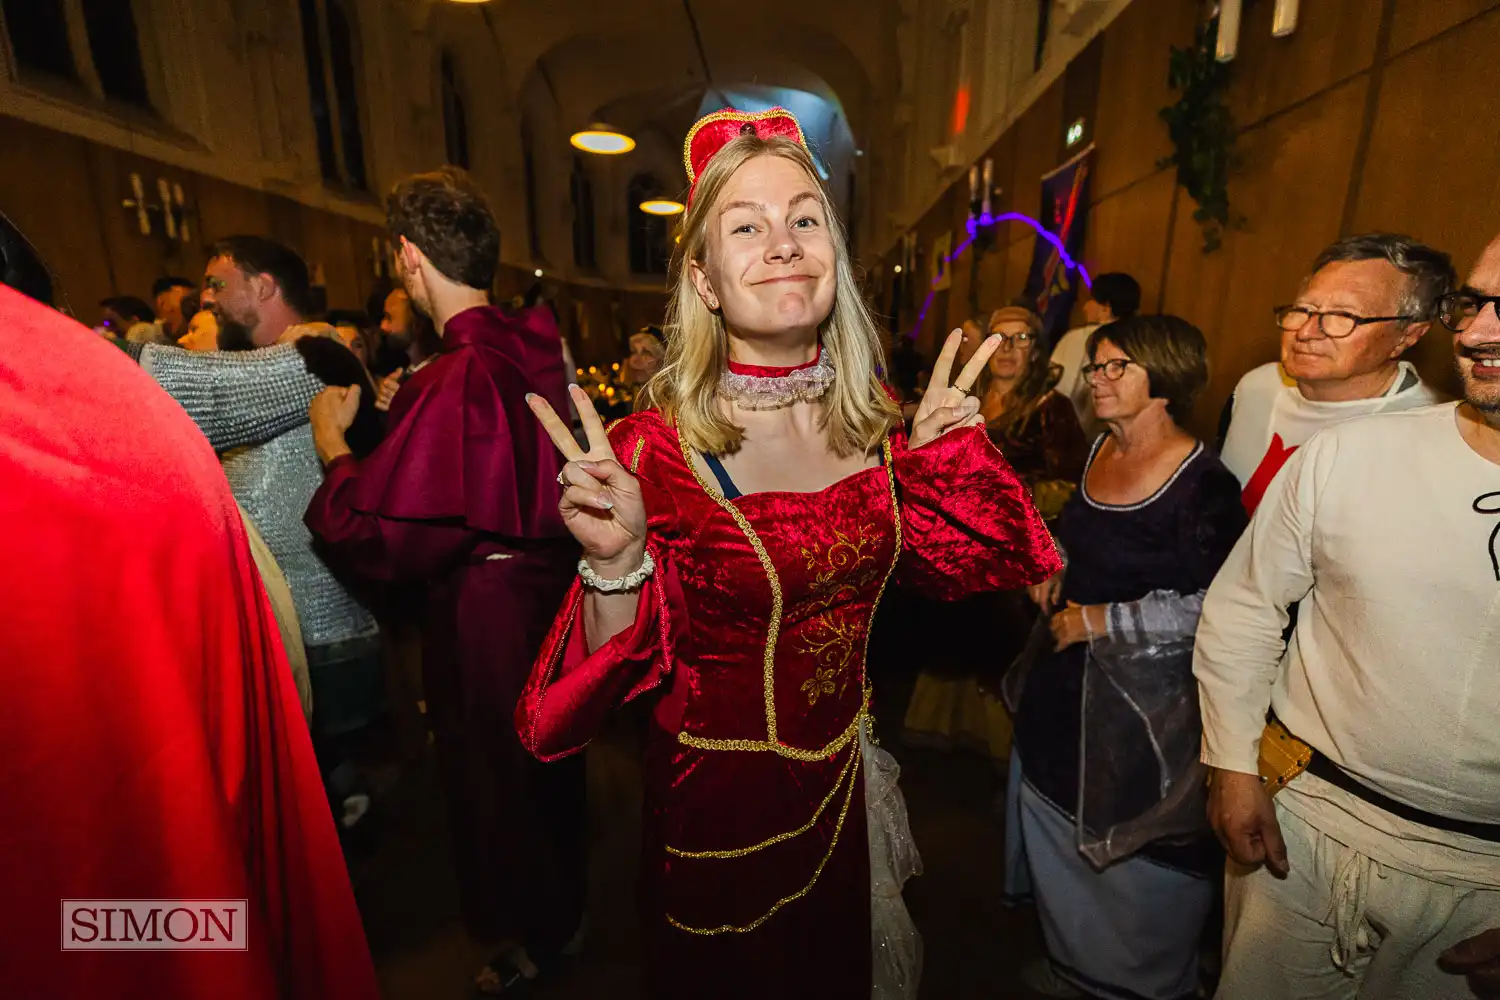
(858,412)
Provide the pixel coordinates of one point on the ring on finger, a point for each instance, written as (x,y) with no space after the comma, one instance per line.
(562,477)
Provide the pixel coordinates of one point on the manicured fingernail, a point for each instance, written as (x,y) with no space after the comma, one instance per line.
(587,466)
(530,396)
(604,504)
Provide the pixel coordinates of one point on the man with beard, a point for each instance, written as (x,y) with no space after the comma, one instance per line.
(463,495)
(151,733)
(250,399)
(1375,872)
(1368,299)
(408,341)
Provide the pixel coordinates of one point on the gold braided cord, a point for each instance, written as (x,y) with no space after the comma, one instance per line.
(730,114)
(635,459)
(773,629)
(817,874)
(780,749)
(780,837)
(890,475)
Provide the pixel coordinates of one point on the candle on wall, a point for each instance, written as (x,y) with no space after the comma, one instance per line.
(973,184)
(989,183)
(1284,19)
(1228,45)
(375,259)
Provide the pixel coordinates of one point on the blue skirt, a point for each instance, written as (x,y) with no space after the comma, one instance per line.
(1130,932)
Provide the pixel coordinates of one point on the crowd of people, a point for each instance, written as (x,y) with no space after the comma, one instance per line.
(1241,691)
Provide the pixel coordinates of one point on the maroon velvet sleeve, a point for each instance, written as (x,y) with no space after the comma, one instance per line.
(375,547)
(968,522)
(571,690)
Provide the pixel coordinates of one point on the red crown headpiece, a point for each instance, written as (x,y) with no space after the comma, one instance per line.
(713,132)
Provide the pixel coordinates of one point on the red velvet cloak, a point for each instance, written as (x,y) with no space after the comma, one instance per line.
(755,623)
(462,497)
(151,741)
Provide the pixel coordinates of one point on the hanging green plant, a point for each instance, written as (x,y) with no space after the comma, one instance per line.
(1202,131)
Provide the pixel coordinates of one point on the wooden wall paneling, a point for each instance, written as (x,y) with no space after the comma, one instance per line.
(1128,232)
(1290,190)
(1017,264)
(1129,136)
(286,223)
(1423,177)
(47,191)
(959,271)
(992,277)
(329,244)
(1037,133)
(1335,39)
(1080,98)
(136,259)
(1427,173)
(226,209)
(1415,21)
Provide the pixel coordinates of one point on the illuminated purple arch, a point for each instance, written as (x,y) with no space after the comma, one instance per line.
(972,227)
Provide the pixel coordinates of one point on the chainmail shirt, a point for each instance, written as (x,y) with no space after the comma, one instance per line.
(252,406)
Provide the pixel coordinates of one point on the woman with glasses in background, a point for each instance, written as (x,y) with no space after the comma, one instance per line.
(956,699)
(1106,826)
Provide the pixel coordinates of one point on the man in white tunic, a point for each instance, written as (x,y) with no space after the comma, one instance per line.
(1368,299)
(1376,872)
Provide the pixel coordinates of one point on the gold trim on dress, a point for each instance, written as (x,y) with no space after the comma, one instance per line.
(817,874)
(772,744)
(780,837)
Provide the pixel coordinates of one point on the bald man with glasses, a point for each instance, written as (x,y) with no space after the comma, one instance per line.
(1368,299)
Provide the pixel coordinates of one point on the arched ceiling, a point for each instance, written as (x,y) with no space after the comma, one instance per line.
(646,65)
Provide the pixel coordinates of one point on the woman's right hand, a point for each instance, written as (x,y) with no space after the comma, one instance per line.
(1048,593)
(601,502)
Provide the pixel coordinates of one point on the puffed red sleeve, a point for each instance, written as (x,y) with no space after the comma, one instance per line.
(968,523)
(571,691)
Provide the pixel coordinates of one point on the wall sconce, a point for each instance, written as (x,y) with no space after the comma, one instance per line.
(142,215)
(1283,23)
(1284,20)
(180,204)
(172,206)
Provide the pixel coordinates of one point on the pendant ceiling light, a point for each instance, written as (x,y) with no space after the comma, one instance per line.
(662,206)
(602,139)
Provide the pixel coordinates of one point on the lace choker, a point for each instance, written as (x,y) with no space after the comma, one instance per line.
(756,387)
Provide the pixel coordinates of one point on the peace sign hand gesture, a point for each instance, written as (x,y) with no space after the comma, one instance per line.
(601,502)
(948,407)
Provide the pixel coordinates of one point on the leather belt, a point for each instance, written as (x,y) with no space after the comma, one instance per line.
(1340,778)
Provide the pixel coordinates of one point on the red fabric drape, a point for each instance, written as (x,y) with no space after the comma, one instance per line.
(151,741)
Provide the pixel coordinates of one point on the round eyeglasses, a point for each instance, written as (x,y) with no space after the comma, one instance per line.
(1022,340)
(1113,369)
(1333,323)
(1457,310)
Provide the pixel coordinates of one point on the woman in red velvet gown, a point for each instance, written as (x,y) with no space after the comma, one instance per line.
(738,536)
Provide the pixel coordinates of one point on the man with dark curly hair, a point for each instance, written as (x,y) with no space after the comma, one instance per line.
(462,496)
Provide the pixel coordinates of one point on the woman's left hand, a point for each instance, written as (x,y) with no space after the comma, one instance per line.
(946,407)
(1077,623)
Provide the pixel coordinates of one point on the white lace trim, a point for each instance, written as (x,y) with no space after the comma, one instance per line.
(771,392)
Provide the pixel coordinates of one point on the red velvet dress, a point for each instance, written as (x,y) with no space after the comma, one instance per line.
(754,626)
(461,497)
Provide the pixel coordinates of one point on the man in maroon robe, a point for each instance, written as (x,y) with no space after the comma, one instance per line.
(462,495)
(153,743)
